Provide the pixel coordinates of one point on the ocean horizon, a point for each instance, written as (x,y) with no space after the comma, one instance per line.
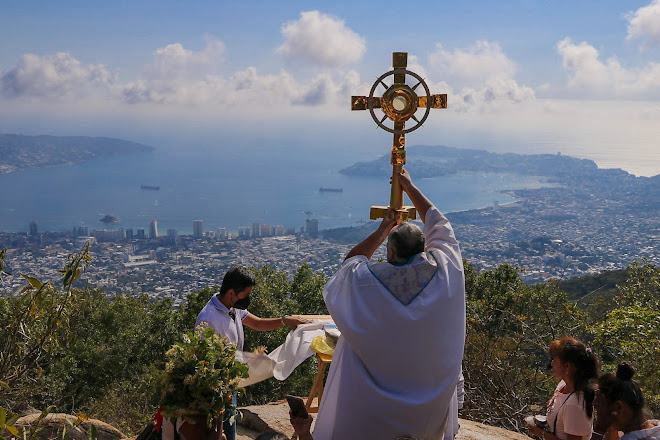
(224,189)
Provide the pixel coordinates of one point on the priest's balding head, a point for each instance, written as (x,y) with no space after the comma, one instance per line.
(404,242)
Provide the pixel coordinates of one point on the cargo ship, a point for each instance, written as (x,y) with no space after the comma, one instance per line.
(334,190)
(151,187)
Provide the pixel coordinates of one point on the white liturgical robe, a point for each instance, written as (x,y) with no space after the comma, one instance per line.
(398,359)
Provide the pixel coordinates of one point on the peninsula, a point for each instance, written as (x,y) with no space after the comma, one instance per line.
(433,161)
(19,152)
(589,220)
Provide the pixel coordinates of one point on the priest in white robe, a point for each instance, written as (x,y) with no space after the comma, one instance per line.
(402,323)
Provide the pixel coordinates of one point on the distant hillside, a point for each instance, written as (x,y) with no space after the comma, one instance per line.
(432,161)
(594,292)
(18,152)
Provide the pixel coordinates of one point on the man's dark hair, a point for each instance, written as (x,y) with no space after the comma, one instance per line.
(272,435)
(237,278)
(407,240)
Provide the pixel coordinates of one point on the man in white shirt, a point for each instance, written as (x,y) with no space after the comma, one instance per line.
(226,313)
(402,322)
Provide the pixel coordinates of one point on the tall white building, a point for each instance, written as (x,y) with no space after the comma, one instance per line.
(153,229)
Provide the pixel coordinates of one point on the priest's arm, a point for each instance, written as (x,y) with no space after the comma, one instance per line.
(368,246)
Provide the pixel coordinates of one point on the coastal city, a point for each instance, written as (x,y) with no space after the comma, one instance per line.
(548,233)
(171,265)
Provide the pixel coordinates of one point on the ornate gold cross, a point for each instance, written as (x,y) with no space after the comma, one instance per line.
(399,103)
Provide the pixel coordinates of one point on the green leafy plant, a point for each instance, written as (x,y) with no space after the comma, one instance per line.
(39,318)
(200,376)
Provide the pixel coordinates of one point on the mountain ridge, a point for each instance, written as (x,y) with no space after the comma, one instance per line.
(20,152)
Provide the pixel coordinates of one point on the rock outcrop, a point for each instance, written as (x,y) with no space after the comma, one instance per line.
(275,416)
(252,421)
(53,426)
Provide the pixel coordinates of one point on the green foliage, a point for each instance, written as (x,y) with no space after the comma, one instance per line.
(117,343)
(509,327)
(3,254)
(594,293)
(642,287)
(632,330)
(34,323)
(61,339)
(112,341)
(200,375)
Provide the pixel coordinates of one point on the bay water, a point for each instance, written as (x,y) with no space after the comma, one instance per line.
(222,188)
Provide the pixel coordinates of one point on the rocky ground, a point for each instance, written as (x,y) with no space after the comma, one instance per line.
(252,421)
(275,416)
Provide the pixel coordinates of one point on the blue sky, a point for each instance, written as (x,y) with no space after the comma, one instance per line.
(578,77)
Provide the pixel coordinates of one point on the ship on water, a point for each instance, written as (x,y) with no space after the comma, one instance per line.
(151,187)
(335,190)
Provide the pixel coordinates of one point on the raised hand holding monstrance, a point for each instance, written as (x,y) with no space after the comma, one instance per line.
(399,103)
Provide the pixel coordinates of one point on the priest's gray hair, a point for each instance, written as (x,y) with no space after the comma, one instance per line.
(406,240)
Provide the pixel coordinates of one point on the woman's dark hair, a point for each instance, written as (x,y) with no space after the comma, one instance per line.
(237,278)
(622,387)
(571,350)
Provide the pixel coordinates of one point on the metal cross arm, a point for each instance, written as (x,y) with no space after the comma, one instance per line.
(399,103)
(360,102)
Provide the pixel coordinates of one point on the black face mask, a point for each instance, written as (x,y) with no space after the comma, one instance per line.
(242,303)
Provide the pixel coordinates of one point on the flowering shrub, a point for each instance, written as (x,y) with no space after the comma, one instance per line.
(200,376)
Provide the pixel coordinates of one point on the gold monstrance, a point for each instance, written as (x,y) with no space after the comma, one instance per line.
(399,103)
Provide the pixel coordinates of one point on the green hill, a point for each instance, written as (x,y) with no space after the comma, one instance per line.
(18,152)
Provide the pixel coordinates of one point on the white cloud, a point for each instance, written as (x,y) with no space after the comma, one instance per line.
(175,61)
(321,40)
(177,76)
(483,77)
(490,96)
(483,61)
(589,76)
(52,76)
(645,23)
(246,88)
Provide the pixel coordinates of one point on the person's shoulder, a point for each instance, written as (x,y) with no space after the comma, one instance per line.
(209,312)
(352,265)
(355,260)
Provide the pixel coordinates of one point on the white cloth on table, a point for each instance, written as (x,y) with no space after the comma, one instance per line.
(397,362)
(281,362)
(285,358)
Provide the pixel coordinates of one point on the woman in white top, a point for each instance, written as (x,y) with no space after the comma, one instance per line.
(621,407)
(570,410)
